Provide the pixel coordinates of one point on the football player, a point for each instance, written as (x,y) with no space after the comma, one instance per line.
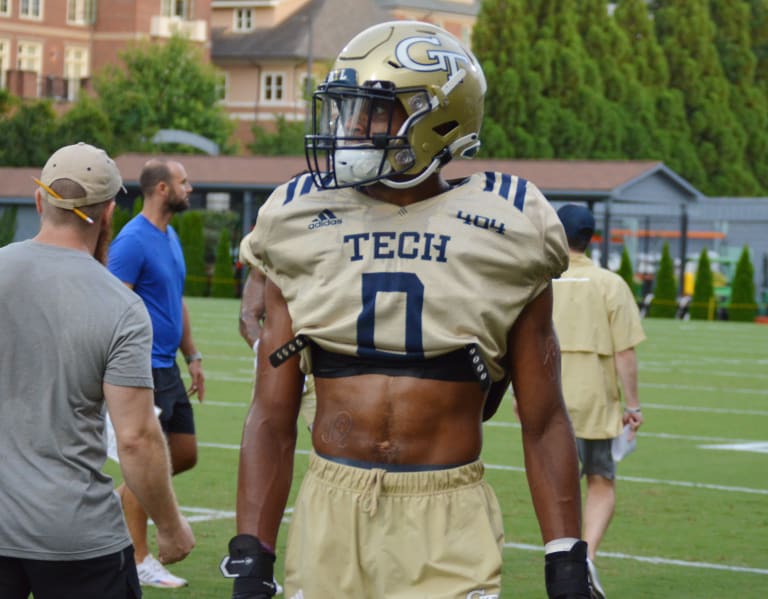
(414,301)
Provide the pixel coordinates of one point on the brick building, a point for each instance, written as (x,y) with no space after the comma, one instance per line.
(52,48)
(267,50)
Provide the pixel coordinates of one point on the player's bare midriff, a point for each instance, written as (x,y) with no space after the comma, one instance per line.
(398,420)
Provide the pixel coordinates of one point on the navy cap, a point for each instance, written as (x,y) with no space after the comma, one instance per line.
(576,219)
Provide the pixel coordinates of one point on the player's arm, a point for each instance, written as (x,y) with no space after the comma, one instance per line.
(549,446)
(146,467)
(252,306)
(191,355)
(266,457)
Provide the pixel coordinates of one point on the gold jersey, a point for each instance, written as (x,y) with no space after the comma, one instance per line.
(367,278)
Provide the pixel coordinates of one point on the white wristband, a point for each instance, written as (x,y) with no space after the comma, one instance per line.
(256,346)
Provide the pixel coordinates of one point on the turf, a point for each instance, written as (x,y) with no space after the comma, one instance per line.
(691,521)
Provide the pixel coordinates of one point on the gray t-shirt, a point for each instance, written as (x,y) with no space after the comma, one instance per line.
(66,327)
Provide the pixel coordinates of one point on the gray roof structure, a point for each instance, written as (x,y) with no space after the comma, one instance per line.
(471,8)
(290,39)
(643,197)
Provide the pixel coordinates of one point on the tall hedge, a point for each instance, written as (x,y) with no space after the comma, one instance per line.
(625,271)
(743,307)
(7,225)
(664,303)
(702,302)
(223,283)
(193,245)
(120,218)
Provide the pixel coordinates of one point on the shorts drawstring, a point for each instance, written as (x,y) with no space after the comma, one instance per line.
(369,500)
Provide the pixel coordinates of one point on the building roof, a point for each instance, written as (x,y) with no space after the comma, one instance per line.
(290,39)
(590,179)
(470,7)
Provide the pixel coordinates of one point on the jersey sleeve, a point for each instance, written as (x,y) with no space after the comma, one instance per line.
(257,252)
(126,258)
(246,252)
(554,244)
(129,363)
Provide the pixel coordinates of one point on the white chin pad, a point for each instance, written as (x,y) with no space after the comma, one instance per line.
(354,166)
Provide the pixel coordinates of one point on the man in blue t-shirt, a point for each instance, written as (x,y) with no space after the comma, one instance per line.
(146,255)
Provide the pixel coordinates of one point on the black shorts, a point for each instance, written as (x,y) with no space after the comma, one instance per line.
(171,397)
(109,577)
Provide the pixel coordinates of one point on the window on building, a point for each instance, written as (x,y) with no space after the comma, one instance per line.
(244,19)
(5,8)
(81,12)
(5,60)
(222,87)
(176,8)
(31,9)
(76,61)
(272,87)
(29,56)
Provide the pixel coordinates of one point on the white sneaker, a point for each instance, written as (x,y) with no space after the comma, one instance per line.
(153,574)
(594,581)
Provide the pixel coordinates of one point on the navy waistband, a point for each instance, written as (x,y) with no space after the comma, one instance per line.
(389,467)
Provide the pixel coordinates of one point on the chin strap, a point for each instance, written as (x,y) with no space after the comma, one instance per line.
(465,146)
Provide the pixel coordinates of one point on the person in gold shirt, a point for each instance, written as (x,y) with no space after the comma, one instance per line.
(598,325)
(413,300)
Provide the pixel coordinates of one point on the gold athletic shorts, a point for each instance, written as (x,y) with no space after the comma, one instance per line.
(364,533)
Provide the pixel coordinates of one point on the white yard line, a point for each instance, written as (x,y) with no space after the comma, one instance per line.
(652,560)
(633,479)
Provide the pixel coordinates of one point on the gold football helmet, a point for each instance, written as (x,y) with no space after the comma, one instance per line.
(389,68)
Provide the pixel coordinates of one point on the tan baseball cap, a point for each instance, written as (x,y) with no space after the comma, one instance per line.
(86,165)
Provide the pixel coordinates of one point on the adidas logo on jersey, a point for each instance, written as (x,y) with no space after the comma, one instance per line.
(326,218)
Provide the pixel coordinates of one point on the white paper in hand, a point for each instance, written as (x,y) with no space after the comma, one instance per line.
(621,446)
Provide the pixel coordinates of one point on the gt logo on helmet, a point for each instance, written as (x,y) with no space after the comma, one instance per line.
(442,60)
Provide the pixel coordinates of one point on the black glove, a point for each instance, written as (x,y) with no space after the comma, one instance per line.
(252,567)
(566,573)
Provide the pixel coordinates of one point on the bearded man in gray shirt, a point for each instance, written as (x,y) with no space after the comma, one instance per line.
(74,343)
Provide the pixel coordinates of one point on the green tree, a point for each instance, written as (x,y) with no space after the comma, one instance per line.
(703,290)
(7,225)
(288,140)
(223,283)
(743,307)
(687,34)
(28,134)
(664,302)
(193,245)
(626,272)
(87,122)
(163,86)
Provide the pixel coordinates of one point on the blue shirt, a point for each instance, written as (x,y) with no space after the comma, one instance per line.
(152,261)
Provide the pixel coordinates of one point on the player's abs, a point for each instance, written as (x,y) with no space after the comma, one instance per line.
(381,419)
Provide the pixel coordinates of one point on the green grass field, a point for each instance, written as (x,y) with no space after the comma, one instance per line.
(692,513)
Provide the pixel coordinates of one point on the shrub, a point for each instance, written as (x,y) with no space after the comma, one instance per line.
(7,225)
(703,290)
(223,282)
(193,245)
(743,307)
(625,270)
(664,303)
